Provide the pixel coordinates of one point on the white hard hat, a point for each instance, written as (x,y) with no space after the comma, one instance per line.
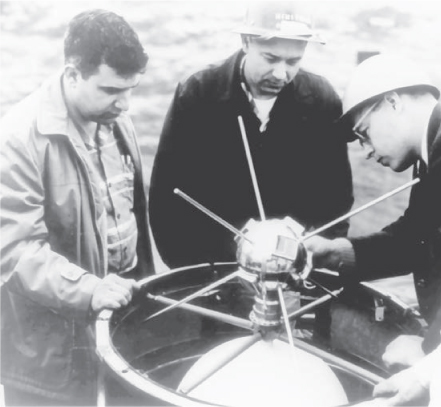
(380,74)
(278,19)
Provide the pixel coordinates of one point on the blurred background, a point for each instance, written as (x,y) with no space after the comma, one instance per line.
(184,36)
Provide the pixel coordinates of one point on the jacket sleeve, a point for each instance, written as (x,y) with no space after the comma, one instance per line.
(393,251)
(409,244)
(28,265)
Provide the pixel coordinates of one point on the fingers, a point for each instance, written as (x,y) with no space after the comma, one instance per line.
(402,388)
(128,283)
(392,360)
(403,351)
(113,292)
(388,393)
(384,388)
(376,402)
(320,248)
(107,300)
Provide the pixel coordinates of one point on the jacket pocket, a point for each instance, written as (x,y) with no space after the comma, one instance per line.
(36,344)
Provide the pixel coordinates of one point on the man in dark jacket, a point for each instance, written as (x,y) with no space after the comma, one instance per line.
(74,218)
(398,119)
(301,164)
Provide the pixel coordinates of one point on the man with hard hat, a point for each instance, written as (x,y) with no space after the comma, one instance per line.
(393,111)
(300,161)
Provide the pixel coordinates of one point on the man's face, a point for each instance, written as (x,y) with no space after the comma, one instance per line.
(385,136)
(104,95)
(271,64)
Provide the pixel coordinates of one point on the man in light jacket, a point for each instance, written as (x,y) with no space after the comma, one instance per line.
(73,213)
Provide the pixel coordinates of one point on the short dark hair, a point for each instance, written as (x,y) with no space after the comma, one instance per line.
(96,37)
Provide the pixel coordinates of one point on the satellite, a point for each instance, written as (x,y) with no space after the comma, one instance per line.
(242,333)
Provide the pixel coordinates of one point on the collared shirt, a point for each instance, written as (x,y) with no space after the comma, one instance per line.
(261,107)
(116,173)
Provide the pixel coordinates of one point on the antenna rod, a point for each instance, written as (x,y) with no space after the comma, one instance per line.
(361,208)
(285,315)
(251,166)
(195,294)
(211,214)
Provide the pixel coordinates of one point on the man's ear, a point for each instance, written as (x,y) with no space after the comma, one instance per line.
(72,74)
(394,100)
(245,43)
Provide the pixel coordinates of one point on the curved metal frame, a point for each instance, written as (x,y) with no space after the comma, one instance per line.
(113,359)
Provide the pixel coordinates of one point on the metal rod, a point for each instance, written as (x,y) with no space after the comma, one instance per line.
(337,361)
(101,386)
(321,286)
(219,316)
(251,166)
(361,208)
(314,304)
(212,215)
(250,341)
(195,294)
(285,315)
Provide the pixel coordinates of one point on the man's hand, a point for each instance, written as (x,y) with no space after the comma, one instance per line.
(403,389)
(113,292)
(403,351)
(323,252)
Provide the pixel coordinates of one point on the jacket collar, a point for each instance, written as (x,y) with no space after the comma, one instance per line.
(229,84)
(52,115)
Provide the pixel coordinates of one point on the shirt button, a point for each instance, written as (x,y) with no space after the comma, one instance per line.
(118,216)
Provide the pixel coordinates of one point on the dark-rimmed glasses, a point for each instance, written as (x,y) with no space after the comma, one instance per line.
(363,138)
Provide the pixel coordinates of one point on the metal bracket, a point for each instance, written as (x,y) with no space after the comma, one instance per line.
(379,309)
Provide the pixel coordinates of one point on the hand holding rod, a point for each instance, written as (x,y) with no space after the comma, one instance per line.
(212,215)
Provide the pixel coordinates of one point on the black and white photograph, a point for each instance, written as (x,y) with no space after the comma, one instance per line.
(218,202)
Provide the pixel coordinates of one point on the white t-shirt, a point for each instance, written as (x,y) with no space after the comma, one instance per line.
(263,109)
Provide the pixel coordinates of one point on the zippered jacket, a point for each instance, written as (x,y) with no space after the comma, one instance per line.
(53,251)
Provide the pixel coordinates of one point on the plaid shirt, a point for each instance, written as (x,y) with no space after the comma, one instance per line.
(117,174)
